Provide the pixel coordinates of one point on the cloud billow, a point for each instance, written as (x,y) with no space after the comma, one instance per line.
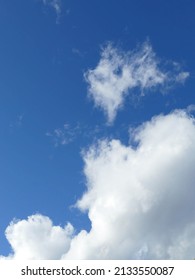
(140,200)
(118,72)
(37,238)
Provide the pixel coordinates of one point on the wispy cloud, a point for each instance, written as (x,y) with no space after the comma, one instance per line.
(139,200)
(118,72)
(17,123)
(69,133)
(77,52)
(56,5)
(64,135)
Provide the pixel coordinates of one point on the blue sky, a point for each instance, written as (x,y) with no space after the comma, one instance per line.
(52,110)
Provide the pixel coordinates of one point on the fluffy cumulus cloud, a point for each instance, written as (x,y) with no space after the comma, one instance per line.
(139,199)
(118,72)
(37,238)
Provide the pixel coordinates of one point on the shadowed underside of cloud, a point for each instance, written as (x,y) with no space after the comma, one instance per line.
(118,72)
(139,200)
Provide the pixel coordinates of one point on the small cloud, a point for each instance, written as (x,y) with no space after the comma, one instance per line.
(68,12)
(56,5)
(17,123)
(77,52)
(64,135)
(20,119)
(70,133)
(181,77)
(119,72)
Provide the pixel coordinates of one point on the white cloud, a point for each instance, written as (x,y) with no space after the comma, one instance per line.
(181,77)
(69,133)
(37,238)
(66,134)
(140,200)
(17,123)
(118,72)
(56,5)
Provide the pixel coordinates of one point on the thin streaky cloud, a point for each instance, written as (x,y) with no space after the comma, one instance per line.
(56,5)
